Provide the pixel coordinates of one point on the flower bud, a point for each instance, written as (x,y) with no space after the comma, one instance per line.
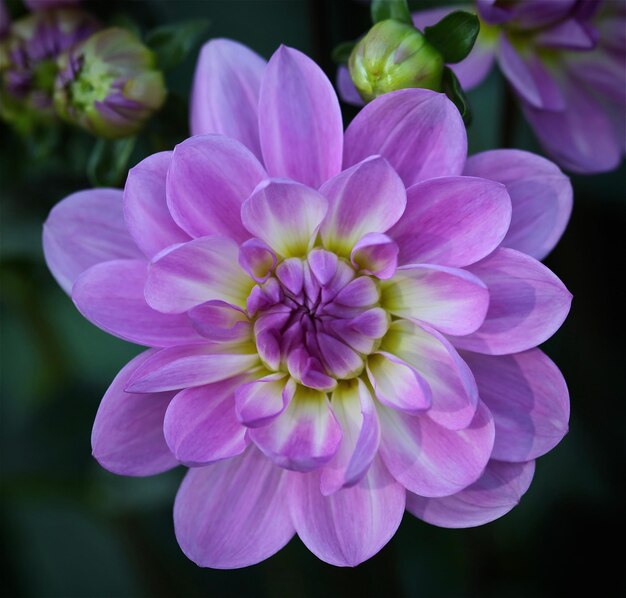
(109,85)
(28,62)
(391,56)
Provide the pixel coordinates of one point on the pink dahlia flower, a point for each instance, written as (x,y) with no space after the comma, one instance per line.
(566,62)
(340,326)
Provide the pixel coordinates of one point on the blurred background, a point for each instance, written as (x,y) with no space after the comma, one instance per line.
(71,529)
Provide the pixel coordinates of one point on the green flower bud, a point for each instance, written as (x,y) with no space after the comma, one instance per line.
(391,56)
(109,84)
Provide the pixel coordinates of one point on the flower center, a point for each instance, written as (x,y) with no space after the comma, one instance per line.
(317,318)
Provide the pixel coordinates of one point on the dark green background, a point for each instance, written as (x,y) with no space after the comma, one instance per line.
(71,529)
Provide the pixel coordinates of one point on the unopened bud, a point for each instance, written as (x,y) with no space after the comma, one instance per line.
(28,61)
(391,56)
(109,84)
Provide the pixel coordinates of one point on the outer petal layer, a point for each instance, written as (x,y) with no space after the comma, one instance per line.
(233,513)
(529,401)
(127,436)
(299,120)
(145,206)
(85,229)
(452,221)
(430,460)
(111,296)
(209,178)
(527,304)
(420,132)
(540,193)
(493,495)
(351,525)
(225,94)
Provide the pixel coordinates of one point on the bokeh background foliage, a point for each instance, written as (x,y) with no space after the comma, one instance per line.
(70,529)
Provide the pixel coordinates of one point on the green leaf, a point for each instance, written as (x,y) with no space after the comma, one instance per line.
(341,52)
(452,88)
(391,9)
(454,35)
(108,162)
(172,43)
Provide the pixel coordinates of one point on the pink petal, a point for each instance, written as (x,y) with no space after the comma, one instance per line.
(83,230)
(145,206)
(419,132)
(284,214)
(110,295)
(257,259)
(192,365)
(518,73)
(581,138)
(354,409)
(201,426)
(303,437)
(221,322)
(233,513)
(529,401)
(360,292)
(299,120)
(452,221)
(349,215)
(431,460)
(376,254)
(451,384)
(127,436)
(527,304)
(340,360)
(204,269)
(452,300)
(493,495)
(540,193)
(351,525)
(209,178)
(398,385)
(258,402)
(225,94)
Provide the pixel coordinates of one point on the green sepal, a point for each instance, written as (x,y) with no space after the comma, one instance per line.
(452,88)
(341,52)
(173,43)
(391,9)
(454,35)
(108,162)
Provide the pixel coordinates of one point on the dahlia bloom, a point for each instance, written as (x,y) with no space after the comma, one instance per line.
(566,62)
(340,326)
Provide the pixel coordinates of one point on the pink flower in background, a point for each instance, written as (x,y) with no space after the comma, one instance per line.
(566,62)
(340,326)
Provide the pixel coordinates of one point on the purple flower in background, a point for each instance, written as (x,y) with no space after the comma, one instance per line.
(340,326)
(35,5)
(109,84)
(566,62)
(28,61)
